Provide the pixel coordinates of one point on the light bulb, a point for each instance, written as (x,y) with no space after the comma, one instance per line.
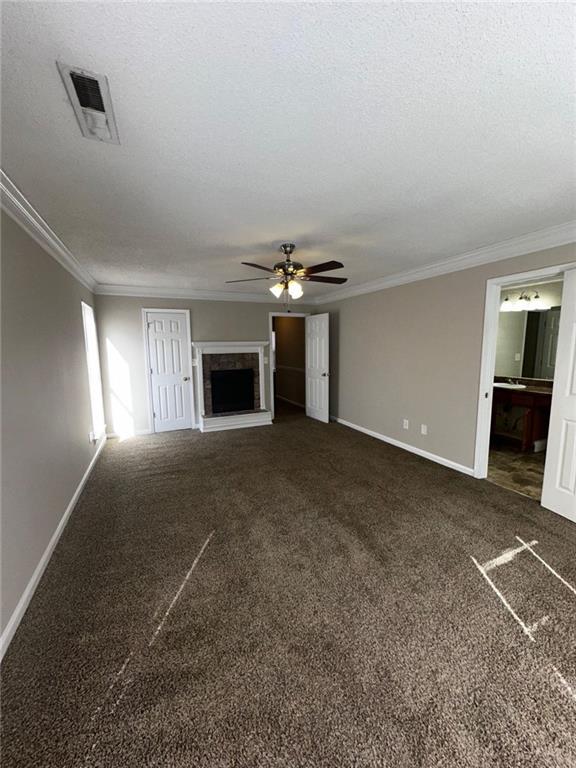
(524,303)
(295,289)
(507,305)
(538,304)
(277,290)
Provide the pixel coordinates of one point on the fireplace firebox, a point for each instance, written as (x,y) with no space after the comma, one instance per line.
(232,390)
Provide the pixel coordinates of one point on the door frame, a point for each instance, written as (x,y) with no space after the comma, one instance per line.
(150,402)
(272,350)
(494,287)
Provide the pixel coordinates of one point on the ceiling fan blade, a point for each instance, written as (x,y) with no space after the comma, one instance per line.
(257,266)
(320,279)
(250,279)
(325,267)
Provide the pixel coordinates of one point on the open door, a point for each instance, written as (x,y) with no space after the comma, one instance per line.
(317,370)
(559,489)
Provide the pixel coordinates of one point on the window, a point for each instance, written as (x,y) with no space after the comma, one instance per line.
(93,365)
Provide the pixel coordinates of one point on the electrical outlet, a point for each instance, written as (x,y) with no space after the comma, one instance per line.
(517,357)
(406,424)
(424,429)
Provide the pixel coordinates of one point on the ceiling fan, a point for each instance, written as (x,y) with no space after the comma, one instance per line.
(289,274)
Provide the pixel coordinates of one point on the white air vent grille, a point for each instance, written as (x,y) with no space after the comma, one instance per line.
(89,95)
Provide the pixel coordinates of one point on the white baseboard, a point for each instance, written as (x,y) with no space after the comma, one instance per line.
(292,402)
(406,447)
(20,609)
(137,433)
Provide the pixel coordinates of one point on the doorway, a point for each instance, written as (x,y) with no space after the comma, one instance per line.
(527,404)
(524,370)
(287,361)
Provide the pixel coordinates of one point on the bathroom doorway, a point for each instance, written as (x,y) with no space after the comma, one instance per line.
(521,441)
(526,345)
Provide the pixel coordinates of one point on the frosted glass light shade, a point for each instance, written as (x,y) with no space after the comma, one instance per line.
(508,305)
(277,290)
(539,304)
(295,289)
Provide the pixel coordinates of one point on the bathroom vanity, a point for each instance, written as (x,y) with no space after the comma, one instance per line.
(521,411)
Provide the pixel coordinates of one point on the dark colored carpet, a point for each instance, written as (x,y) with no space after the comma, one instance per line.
(335,619)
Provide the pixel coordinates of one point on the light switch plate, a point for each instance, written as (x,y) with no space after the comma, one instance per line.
(424,429)
(406,424)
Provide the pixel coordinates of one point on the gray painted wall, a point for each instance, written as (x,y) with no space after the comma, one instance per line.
(414,352)
(120,330)
(46,414)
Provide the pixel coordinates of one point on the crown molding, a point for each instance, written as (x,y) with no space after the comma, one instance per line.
(19,209)
(552,237)
(149,292)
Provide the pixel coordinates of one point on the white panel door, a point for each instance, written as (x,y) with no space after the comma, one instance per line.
(559,490)
(170,375)
(317,370)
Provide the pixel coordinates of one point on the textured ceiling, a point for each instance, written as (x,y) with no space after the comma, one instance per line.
(388,136)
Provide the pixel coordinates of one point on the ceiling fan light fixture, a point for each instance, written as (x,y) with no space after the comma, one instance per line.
(277,290)
(295,289)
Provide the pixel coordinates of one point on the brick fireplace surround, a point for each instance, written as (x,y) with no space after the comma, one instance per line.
(220,361)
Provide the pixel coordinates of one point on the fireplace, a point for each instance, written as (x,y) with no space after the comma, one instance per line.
(231,384)
(232,390)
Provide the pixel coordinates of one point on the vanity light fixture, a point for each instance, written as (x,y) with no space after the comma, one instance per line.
(525,303)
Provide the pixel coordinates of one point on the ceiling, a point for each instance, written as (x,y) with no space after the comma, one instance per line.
(388,136)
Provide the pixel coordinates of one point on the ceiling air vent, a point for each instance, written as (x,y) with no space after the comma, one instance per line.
(89,95)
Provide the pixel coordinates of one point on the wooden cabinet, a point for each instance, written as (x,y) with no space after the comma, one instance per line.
(534,407)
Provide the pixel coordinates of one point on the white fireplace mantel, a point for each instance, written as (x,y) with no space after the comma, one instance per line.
(233,421)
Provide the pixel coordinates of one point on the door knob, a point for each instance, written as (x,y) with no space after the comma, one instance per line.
(325,374)
(186,378)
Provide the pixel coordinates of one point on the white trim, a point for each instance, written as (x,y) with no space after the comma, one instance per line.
(148,292)
(229,348)
(488,360)
(552,237)
(19,209)
(17,206)
(151,427)
(271,316)
(28,593)
(407,447)
(238,421)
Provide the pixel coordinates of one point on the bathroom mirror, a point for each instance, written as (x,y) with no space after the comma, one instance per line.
(526,346)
